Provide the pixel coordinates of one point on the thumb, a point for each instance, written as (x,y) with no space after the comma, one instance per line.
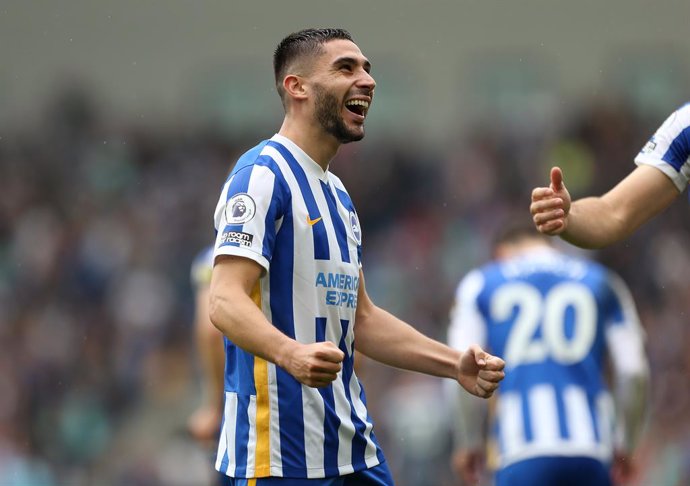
(556,178)
(480,356)
(332,353)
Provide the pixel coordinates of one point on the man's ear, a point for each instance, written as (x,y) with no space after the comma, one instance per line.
(294,86)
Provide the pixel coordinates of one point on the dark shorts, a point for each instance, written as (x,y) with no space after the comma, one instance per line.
(376,476)
(555,471)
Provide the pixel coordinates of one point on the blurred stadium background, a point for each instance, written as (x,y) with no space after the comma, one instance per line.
(119,121)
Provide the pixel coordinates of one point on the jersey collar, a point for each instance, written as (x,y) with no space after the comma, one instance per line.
(307,163)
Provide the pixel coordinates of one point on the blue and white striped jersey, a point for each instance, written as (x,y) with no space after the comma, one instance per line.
(552,318)
(280,209)
(669,148)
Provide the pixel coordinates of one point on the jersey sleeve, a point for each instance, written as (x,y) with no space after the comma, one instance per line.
(625,336)
(669,148)
(467,325)
(248,214)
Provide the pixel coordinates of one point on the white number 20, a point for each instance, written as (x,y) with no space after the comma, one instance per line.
(523,347)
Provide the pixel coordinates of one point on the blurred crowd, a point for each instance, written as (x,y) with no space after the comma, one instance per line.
(100,220)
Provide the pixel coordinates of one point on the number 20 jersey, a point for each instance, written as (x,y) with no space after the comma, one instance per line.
(552,318)
(280,209)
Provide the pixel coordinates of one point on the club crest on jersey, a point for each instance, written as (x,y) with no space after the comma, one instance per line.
(356,230)
(240,209)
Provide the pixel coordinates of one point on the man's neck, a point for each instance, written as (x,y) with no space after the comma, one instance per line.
(317,144)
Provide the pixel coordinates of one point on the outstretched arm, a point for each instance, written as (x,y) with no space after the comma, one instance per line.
(234,285)
(385,338)
(595,222)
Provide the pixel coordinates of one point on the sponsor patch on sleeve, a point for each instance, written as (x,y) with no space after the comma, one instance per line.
(236,238)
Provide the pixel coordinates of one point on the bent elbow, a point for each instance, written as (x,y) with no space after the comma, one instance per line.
(215,310)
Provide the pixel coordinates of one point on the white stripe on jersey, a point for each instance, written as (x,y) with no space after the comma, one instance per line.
(227,435)
(578,417)
(251,442)
(543,412)
(274,425)
(511,431)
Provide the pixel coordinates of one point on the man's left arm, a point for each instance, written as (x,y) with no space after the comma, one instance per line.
(387,339)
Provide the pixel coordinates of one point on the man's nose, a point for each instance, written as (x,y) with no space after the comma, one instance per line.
(366,81)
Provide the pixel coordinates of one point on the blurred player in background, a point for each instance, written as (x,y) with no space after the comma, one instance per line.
(662,174)
(554,319)
(287,289)
(204,423)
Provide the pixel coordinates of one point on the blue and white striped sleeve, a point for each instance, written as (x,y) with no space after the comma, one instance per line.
(625,336)
(669,148)
(248,213)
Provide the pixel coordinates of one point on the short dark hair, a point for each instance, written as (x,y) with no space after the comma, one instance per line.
(298,44)
(516,230)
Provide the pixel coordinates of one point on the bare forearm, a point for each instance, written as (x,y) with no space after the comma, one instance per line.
(593,223)
(631,396)
(599,221)
(239,319)
(468,424)
(211,353)
(385,338)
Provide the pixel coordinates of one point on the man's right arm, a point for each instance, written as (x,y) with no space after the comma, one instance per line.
(234,284)
(625,345)
(596,222)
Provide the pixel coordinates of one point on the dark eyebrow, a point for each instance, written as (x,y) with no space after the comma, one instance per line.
(351,60)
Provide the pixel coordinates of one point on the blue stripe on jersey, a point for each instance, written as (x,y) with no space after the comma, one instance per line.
(321,249)
(560,405)
(247,159)
(345,199)
(340,231)
(359,443)
(279,203)
(292,448)
(526,419)
(331,422)
(241,435)
(231,357)
(347,202)
(679,150)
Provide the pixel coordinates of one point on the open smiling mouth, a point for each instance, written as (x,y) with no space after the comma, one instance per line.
(358,107)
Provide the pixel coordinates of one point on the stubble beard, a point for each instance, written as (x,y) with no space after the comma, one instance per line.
(330,119)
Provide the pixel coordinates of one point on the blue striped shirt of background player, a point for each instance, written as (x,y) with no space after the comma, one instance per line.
(669,148)
(554,319)
(280,209)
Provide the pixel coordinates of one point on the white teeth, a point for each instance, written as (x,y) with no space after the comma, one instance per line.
(363,103)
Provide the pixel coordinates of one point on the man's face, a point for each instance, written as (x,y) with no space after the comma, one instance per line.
(343,90)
